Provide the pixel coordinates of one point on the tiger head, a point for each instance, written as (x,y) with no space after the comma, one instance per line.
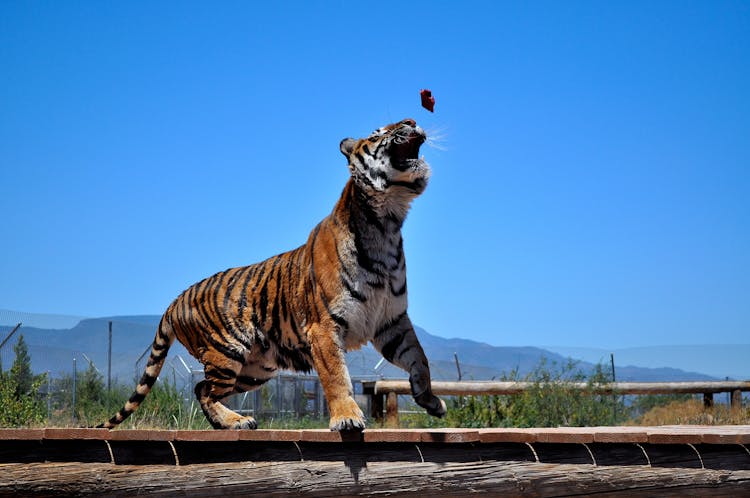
(388,160)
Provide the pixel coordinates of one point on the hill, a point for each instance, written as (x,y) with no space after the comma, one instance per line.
(716,360)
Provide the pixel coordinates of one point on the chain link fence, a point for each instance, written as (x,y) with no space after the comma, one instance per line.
(69,349)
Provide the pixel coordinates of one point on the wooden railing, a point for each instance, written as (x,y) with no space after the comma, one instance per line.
(384,393)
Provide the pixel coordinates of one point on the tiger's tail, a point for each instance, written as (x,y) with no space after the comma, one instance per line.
(159,348)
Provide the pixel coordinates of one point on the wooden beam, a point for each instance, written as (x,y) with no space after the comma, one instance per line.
(736,402)
(708,400)
(687,434)
(350,476)
(391,410)
(493,388)
(377,402)
(489,388)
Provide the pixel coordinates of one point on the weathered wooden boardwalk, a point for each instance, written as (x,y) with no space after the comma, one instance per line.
(601,461)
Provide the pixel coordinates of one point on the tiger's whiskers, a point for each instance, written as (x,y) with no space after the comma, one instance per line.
(436,139)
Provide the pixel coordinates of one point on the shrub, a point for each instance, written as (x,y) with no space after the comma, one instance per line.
(550,402)
(20,397)
(692,411)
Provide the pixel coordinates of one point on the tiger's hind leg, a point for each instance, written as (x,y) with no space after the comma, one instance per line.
(399,345)
(218,415)
(220,382)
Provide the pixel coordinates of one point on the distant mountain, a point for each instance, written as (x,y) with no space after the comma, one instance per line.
(720,361)
(53,350)
(42,320)
(495,361)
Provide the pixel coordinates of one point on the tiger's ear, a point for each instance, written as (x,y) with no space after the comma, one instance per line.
(347,146)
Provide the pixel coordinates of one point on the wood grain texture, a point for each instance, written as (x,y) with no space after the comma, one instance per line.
(335,478)
(487,388)
(593,461)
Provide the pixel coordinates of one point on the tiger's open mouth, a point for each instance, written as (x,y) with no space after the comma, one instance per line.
(405,147)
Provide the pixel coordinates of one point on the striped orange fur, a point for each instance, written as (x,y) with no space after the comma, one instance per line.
(304,308)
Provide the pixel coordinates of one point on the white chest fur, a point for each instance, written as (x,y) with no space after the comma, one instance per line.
(374,295)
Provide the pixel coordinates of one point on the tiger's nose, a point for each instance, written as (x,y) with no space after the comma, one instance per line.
(409,122)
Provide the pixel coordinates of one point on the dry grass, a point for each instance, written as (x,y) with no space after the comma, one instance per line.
(693,412)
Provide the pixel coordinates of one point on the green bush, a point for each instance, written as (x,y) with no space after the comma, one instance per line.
(647,402)
(20,398)
(24,410)
(91,399)
(166,407)
(551,401)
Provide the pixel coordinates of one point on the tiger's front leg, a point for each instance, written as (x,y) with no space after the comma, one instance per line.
(328,358)
(398,344)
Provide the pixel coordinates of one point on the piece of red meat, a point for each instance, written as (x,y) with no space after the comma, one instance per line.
(428,101)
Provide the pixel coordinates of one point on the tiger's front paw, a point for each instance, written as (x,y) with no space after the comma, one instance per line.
(346,416)
(440,410)
(245,423)
(434,405)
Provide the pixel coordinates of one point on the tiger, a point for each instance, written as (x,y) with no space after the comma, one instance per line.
(303,309)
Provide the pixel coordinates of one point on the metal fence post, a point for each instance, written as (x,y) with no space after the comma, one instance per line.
(109,364)
(614,394)
(49,394)
(7,337)
(75,375)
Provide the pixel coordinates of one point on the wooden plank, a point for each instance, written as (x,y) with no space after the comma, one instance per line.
(729,434)
(449,435)
(76,433)
(694,434)
(454,388)
(207,435)
(565,435)
(620,435)
(21,434)
(271,435)
(721,435)
(329,436)
(726,434)
(487,388)
(507,435)
(392,436)
(658,435)
(140,435)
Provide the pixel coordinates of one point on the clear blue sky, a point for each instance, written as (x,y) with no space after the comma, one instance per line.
(592,187)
